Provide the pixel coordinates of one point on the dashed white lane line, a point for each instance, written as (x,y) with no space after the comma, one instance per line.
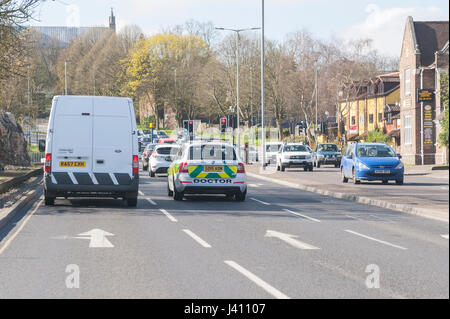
(444,236)
(150,201)
(374,239)
(165,212)
(259,201)
(8,242)
(197,239)
(253,185)
(261,283)
(141,193)
(301,215)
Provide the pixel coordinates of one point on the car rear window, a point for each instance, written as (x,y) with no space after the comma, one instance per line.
(212,152)
(295,148)
(328,147)
(167,150)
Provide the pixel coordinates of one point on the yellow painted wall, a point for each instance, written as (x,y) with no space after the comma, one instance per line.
(371,110)
(393,97)
(353,112)
(361,127)
(380,109)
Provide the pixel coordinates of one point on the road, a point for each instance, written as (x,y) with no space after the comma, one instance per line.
(279,243)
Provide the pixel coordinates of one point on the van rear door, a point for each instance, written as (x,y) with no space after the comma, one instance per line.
(112,141)
(72,139)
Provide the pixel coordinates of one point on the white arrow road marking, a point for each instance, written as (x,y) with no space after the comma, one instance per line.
(264,285)
(259,201)
(304,216)
(444,236)
(289,239)
(97,238)
(374,239)
(165,212)
(197,239)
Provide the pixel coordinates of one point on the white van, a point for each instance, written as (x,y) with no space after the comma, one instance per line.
(91,149)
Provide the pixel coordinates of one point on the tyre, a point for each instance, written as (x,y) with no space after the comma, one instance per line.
(49,201)
(169,192)
(176,194)
(305,168)
(240,197)
(283,168)
(318,165)
(355,180)
(399,182)
(343,178)
(385,182)
(278,167)
(151,173)
(315,164)
(132,202)
(310,168)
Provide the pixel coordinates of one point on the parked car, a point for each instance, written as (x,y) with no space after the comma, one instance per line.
(161,158)
(89,155)
(371,162)
(294,155)
(272,149)
(146,155)
(326,154)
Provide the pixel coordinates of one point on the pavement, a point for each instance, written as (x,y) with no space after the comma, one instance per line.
(281,243)
(425,191)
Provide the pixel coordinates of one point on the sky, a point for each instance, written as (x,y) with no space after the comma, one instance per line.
(381,20)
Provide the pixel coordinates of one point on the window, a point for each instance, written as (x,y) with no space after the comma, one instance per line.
(389,118)
(370,118)
(408,130)
(353,120)
(407,82)
(361,118)
(380,117)
(375,151)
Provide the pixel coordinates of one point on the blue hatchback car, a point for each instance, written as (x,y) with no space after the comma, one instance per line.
(371,162)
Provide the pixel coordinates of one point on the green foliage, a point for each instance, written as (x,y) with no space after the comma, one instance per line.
(443,137)
(378,136)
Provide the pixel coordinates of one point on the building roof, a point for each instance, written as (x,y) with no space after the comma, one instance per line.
(431,36)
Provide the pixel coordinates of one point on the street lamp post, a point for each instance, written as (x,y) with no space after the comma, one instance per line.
(262,88)
(238,109)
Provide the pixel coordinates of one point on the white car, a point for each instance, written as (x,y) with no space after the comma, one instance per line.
(294,155)
(161,158)
(272,149)
(207,168)
(91,149)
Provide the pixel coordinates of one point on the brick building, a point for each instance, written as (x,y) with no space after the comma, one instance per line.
(424,57)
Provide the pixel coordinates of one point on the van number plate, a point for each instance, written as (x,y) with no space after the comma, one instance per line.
(72,164)
(213,168)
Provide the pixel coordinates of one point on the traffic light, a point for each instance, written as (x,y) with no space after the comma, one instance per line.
(254,119)
(223,124)
(191,127)
(186,127)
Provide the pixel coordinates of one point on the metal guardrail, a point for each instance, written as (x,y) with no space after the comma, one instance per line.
(36,157)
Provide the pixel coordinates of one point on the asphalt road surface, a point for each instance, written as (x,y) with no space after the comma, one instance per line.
(279,243)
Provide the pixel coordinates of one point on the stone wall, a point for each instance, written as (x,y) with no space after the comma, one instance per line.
(13,147)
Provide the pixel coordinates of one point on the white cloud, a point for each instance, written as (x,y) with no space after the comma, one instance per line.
(386,27)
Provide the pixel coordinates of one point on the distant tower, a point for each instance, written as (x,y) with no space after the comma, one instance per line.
(112,21)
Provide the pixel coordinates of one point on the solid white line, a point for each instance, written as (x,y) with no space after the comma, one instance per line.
(259,201)
(197,239)
(307,217)
(264,285)
(168,215)
(150,201)
(444,236)
(374,239)
(29,214)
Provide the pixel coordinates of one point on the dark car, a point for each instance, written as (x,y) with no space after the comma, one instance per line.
(146,155)
(327,154)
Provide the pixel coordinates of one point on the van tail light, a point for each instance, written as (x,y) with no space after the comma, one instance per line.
(241,168)
(48,163)
(184,168)
(135,164)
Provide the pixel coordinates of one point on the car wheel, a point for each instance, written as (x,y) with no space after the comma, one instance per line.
(240,197)
(283,168)
(315,164)
(355,180)
(311,168)
(169,192)
(151,173)
(318,165)
(176,194)
(132,202)
(385,182)
(399,182)
(278,167)
(343,178)
(49,201)
(305,168)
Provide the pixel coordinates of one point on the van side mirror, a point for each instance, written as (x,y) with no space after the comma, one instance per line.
(399,156)
(42,146)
